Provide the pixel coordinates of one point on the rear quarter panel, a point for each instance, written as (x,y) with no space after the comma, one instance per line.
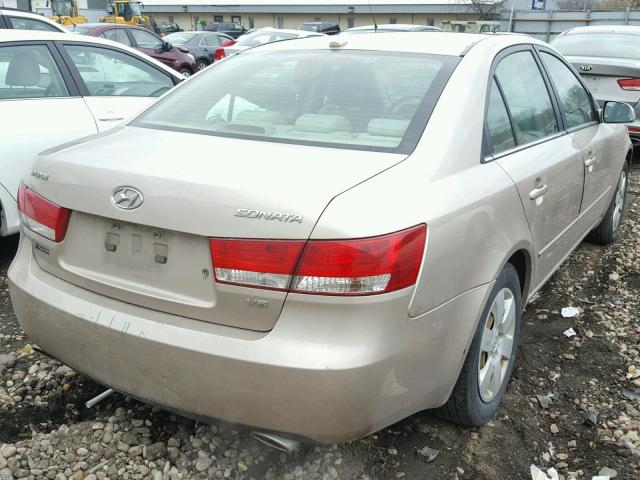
(474,217)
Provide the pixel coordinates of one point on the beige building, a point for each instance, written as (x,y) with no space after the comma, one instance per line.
(188,14)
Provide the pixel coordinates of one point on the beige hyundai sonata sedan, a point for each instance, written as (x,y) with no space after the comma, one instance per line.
(317,238)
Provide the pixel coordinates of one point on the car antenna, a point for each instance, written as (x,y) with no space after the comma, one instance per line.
(375,24)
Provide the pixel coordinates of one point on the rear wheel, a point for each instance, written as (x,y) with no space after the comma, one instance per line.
(489,363)
(202,64)
(608,230)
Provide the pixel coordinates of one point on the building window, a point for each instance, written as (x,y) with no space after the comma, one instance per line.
(171,19)
(280,22)
(252,22)
(218,18)
(430,22)
(350,22)
(393,20)
(236,19)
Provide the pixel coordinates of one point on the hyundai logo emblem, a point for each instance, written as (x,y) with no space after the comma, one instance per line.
(585,68)
(127,198)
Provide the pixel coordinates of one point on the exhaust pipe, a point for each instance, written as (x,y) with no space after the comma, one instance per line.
(278,442)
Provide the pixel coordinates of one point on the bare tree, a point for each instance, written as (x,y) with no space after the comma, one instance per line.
(486,9)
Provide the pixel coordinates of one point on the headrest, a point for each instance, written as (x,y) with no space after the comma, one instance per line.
(23,71)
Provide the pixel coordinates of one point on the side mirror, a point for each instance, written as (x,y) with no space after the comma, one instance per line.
(618,112)
(166,46)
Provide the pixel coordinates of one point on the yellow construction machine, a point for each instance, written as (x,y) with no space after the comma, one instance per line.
(65,12)
(127,12)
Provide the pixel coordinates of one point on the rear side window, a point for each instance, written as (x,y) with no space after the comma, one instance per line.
(527,97)
(210,40)
(108,73)
(354,99)
(20,23)
(29,71)
(498,122)
(117,35)
(575,101)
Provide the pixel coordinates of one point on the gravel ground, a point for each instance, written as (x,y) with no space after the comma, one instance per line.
(573,403)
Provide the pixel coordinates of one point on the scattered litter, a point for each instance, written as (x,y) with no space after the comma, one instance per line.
(570,333)
(537,474)
(545,401)
(608,472)
(546,456)
(570,312)
(631,395)
(429,454)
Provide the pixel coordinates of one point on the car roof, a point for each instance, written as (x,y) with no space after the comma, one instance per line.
(393,26)
(288,30)
(26,14)
(11,35)
(604,29)
(437,43)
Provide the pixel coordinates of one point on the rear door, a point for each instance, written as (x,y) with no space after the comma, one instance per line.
(525,138)
(40,107)
(594,141)
(116,84)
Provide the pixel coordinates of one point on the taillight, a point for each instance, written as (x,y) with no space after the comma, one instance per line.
(631,84)
(634,129)
(219,55)
(331,267)
(42,216)
(228,43)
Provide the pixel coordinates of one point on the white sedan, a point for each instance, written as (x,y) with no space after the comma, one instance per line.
(55,88)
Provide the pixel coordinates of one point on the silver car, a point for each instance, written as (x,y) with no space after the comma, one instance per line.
(261,37)
(319,238)
(608,58)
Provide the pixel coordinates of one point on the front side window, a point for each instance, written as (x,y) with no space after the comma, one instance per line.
(210,41)
(353,99)
(527,97)
(575,101)
(107,72)
(498,122)
(20,23)
(29,71)
(146,39)
(117,35)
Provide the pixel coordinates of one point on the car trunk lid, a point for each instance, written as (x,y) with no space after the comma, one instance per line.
(193,187)
(602,75)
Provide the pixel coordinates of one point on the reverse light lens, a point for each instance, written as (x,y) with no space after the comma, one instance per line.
(630,84)
(323,267)
(42,216)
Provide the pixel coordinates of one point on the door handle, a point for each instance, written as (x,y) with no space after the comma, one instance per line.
(538,191)
(111,119)
(590,161)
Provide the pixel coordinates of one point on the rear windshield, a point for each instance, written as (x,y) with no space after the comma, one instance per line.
(606,44)
(348,99)
(180,38)
(263,36)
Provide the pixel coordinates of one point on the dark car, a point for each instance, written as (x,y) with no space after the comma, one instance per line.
(202,45)
(328,28)
(228,28)
(142,39)
(165,28)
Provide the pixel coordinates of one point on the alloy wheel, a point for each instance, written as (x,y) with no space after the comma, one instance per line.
(618,205)
(496,346)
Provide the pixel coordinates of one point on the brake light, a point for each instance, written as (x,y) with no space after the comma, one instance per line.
(219,55)
(630,84)
(634,129)
(325,267)
(42,216)
(228,43)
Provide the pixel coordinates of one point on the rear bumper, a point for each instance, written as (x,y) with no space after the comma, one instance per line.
(327,372)
(9,222)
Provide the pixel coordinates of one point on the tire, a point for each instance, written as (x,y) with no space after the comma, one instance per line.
(473,403)
(202,64)
(186,72)
(608,230)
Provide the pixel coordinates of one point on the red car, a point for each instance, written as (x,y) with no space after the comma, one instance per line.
(142,39)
